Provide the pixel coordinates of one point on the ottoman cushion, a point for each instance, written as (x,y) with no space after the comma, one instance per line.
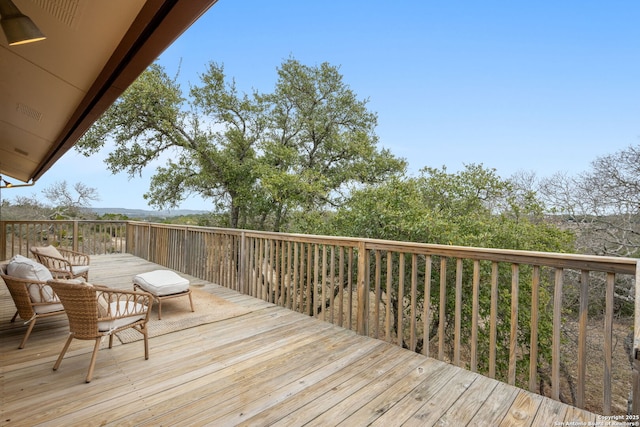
(161,282)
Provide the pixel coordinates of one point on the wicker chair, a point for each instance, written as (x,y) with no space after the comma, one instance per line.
(63,263)
(97,311)
(34,299)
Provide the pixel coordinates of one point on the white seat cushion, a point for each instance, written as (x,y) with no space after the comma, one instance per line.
(122,307)
(48,308)
(161,282)
(79,269)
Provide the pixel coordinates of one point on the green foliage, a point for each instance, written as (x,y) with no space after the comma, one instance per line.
(258,157)
(473,207)
(393,210)
(113,217)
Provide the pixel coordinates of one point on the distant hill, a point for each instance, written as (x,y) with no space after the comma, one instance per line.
(142,213)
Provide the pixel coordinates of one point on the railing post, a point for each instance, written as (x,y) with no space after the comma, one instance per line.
(186,253)
(556,334)
(127,233)
(635,356)
(363,290)
(149,242)
(75,236)
(3,239)
(243,262)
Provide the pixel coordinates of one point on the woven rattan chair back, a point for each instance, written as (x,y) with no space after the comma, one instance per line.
(25,307)
(81,305)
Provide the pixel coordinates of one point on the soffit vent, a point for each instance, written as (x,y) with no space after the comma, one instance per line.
(65,11)
(32,113)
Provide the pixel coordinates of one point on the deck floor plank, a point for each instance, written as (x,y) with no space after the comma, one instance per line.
(181,377)
(375,408)
(317,386)
(470,401)
(438,404)
(270,366)
(320,408)
(238,401)
(495,408)
(205,386)
(375,383)
(409,403)
(235,371)
(520,413)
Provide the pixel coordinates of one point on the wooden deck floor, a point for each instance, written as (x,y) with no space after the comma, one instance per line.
(270,366)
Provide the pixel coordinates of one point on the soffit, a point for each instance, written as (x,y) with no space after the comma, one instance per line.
(52,91)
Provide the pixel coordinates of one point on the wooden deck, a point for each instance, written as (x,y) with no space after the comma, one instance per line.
(270,366)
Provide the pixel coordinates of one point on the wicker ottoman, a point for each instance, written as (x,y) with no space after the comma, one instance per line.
(163,284)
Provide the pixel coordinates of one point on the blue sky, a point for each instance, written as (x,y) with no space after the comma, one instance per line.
(541,86)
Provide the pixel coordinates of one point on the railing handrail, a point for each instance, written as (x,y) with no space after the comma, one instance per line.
(620,265)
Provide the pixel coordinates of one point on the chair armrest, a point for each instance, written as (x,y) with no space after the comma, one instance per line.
(122,303)
(60,268)
(73,257)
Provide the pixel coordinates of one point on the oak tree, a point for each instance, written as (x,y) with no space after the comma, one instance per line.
(258,157)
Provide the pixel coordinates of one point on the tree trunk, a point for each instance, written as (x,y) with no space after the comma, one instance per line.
(234,216)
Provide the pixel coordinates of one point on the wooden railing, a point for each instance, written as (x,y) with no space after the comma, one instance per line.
(91,237)
(547,322)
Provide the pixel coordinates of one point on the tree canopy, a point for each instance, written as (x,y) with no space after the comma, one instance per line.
(472,207)
(258,157)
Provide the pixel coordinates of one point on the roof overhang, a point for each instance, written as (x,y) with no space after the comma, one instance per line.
(52,91)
